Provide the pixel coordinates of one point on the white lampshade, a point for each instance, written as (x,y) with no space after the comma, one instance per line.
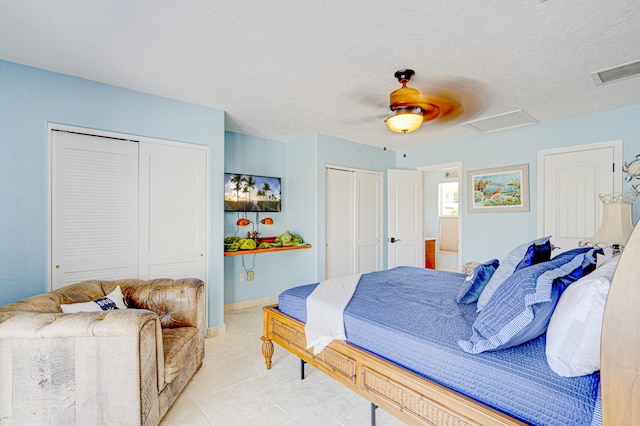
(617,222)
(404,121)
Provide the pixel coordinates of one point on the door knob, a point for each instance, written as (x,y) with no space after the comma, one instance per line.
(393,240)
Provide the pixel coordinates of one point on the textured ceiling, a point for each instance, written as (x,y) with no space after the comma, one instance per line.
(285,68)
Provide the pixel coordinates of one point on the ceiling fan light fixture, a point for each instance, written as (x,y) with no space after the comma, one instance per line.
(405,120)
(411,109)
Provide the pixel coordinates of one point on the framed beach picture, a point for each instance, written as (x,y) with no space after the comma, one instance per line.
(500,189)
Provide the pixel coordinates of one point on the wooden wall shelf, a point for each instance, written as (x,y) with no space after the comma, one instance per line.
(268,250)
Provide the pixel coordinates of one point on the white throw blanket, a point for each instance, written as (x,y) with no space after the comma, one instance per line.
(325,311)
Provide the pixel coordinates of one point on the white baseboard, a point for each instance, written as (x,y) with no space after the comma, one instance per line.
(253,303)
(238,306)
(216,331)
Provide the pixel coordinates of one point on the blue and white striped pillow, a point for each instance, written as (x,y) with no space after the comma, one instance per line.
(521,307)
(520,257)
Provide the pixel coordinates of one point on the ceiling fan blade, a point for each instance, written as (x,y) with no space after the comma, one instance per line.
(449,108)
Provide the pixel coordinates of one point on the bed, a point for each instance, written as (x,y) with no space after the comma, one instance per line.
(416,388)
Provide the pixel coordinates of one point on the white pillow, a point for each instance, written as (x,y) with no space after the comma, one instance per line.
(573,335)
(113,300)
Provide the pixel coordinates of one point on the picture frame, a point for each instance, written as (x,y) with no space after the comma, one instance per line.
(498,189)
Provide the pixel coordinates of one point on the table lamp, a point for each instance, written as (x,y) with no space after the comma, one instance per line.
(616,222)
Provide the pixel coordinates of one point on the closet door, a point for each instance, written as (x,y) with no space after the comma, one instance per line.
(354,227)
(172,211)
(368,226)
(94,208)
(340,224)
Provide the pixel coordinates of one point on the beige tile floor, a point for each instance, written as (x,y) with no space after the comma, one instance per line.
(233,387)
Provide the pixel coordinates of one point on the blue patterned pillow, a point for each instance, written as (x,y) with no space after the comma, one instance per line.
(113,300)
(536,253)
(476,282)
(578,273)
(520,257)
(520,309)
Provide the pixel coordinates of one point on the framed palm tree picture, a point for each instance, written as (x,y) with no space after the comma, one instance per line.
(251,193)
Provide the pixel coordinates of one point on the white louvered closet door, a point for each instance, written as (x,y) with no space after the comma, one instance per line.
(172,211)
(94,208)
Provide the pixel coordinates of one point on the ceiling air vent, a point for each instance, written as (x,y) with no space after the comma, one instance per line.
(616,73)
(508,120)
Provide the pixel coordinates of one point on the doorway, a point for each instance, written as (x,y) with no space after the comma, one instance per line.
(442,220)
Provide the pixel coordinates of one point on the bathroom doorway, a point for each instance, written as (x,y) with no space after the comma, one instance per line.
(442,220)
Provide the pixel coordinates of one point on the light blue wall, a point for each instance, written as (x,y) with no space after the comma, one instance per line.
(303,209)
(31,98)
(487,235)
(301,165)
(274,272)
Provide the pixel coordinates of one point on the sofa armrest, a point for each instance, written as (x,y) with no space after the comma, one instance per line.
(81,368)
(178,303)
(34,325)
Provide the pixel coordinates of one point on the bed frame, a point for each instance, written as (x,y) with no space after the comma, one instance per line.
(416,400)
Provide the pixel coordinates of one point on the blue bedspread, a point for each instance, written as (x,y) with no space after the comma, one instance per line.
(410,316)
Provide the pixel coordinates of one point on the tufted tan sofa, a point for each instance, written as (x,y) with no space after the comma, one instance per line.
(118,367)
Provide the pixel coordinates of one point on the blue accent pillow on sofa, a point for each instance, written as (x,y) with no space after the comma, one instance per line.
(520,257)
(520,309)
(476,282)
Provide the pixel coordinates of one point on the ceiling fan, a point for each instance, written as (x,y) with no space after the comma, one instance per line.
(411,109)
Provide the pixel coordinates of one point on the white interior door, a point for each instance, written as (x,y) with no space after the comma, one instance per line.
(368,229)
(404,196)
(572,180)
(340,232)
(94,208)
(173,196)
